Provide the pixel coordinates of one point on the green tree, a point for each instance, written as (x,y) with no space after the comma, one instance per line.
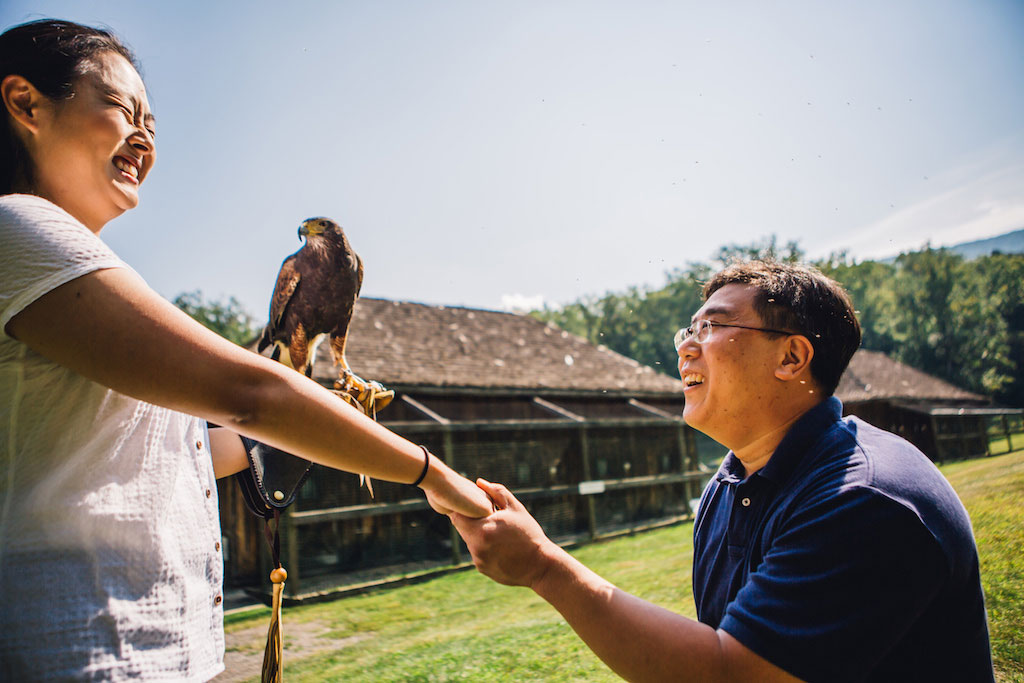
(871,285)
(1002,278)
(638,323)
(956,319)
(947,323)
(228,318)
(765,248)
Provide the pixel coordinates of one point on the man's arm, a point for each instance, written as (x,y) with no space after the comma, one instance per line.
(638,640)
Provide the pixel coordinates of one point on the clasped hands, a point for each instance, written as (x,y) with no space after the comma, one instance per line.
(508,545)
(506,542)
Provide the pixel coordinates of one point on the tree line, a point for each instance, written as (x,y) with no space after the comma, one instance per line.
(228,318)
(955,318)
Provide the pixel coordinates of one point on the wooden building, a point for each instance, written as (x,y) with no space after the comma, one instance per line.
(591,441)
(943,420)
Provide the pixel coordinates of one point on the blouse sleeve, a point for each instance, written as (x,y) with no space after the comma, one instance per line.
(41,248)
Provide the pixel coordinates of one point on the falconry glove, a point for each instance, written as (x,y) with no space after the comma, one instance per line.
(273,478)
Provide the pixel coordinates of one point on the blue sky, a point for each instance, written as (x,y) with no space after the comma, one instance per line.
(486,153)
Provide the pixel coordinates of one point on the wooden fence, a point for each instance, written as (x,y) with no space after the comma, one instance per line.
(584,469)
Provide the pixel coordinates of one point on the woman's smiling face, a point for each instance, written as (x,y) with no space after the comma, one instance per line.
(91,153)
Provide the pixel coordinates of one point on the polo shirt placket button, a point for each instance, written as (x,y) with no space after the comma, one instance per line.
(745,502)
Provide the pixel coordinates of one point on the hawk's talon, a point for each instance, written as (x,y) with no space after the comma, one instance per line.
(367,397)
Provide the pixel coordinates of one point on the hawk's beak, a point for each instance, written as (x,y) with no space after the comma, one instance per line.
(310,228)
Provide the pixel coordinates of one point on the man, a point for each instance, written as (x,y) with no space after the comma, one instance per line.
(825,549)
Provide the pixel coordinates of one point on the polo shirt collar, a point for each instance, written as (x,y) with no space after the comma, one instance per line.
(790,451)
(800,438)
(731,471)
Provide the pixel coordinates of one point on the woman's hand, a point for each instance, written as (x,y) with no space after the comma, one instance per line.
(449,492)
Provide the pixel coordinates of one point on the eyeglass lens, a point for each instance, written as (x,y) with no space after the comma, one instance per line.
(698,331)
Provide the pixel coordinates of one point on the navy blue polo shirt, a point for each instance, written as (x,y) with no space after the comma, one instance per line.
(847,557)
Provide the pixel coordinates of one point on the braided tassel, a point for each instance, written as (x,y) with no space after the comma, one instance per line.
(273,656)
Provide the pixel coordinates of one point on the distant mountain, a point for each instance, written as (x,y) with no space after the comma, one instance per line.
(1008,243)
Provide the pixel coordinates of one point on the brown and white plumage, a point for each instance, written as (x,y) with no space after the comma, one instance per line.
(315,295)
(314,298)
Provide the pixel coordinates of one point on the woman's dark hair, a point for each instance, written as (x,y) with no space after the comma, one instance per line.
(51,54)
(799,298)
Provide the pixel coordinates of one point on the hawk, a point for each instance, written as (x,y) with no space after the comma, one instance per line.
(314,297)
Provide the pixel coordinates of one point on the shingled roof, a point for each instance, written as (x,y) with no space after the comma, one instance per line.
(404,344)
(874,376)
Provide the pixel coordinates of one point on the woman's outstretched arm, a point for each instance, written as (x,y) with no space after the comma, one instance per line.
(110,327)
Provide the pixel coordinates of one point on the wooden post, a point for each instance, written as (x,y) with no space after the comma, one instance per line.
(633,496)
(448,455)
(686,463)
(939,451)
(290,551)
(585,458)
(264,554)
(1006,432)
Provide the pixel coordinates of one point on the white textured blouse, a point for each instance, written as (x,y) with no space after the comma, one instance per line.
(110,561)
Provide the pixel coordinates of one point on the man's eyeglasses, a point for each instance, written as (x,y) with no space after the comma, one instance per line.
(700,331)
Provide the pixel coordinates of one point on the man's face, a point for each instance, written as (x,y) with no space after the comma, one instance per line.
(729,379)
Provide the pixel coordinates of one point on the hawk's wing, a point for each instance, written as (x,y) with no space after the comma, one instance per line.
(359,276)
(287,282)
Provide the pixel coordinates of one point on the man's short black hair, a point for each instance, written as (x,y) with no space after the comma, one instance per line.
(800,299)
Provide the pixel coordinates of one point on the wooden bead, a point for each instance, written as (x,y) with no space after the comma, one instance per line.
(279,575)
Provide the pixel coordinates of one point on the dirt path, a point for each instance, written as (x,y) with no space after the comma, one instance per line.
(243,659)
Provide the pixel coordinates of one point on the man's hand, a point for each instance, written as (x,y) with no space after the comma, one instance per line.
(508,546)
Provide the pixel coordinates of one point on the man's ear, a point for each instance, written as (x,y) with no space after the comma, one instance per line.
(22,101)
(795,362)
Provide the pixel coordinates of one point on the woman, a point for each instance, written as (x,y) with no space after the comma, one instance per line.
(110,564)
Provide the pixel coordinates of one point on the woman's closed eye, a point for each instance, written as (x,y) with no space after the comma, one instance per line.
(129,115)
(128,112)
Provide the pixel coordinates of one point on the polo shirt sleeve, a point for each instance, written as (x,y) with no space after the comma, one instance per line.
(846,576)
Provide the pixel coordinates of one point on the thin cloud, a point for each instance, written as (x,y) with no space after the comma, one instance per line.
(975,209)
(521,303)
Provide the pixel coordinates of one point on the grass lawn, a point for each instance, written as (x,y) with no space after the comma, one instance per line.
(1003,444)
(464,627)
